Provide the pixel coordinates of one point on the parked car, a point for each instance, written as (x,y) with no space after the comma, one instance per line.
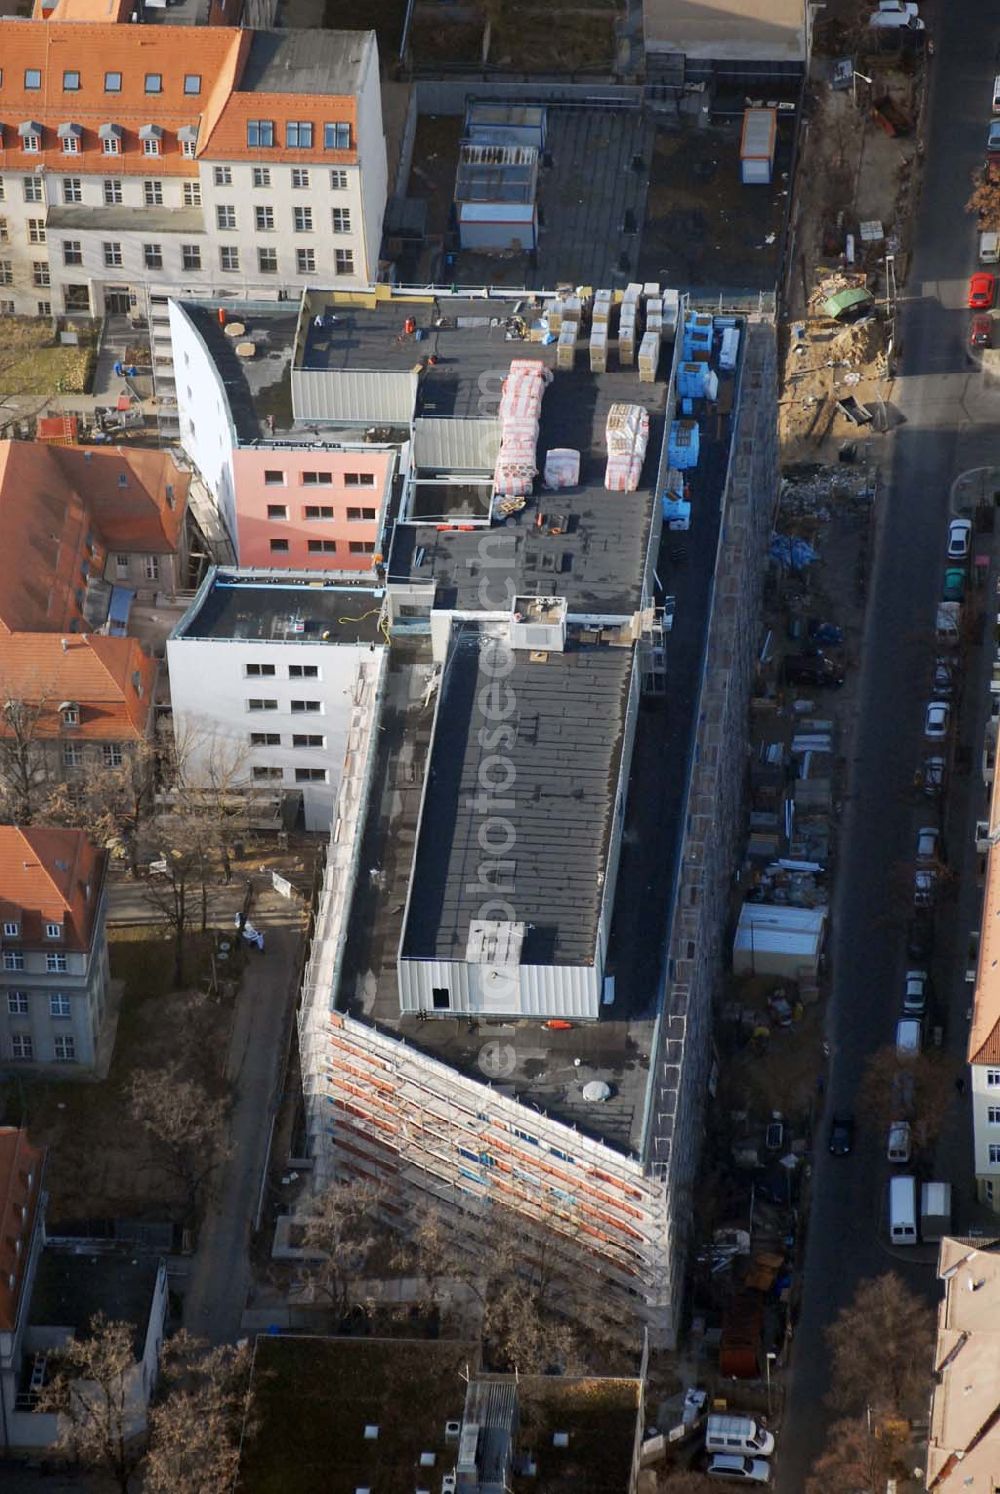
(928,845)
(953,587)
(981,332)
(920,937)
(895,14)
(904,1094)
(937,719)
(960,535)
(915,991)
(924,887)
(841,1142)
(996,94)
(898,1145)
(944,678)
(813,669)
(932,777)
(982,291)
(993,138)
(909,1037)
(731,1465)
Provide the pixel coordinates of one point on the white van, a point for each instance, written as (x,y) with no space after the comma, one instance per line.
(737,1434)
(909,1037)
(898,1149)
(749,1470)
(903,1211)
(989,248)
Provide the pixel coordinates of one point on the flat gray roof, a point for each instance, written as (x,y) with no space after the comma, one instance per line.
(321,62)
(569,721)
(455,445)
(72,1286)
(281,608)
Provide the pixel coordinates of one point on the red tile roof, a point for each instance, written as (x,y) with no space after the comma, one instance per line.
(55,499)
(110,679)
(216,55)
(49,874)
(21,1166)
(136,497)
(54,48)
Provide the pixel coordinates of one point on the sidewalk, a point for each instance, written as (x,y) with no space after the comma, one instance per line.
(220,1271)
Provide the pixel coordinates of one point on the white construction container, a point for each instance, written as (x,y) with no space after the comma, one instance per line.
(757,145)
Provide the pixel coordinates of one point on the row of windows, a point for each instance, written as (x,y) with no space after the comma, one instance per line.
(63,1047)
(302,775)
(261,135)
(299,739)
(295,671)
(260,177)
(297,707)
(321,511)
(12,929)
(18,1003)
(152,82)
(302,218)
(324,547)
(152,258)
(72,189)
(7,308)
(111,136)
(74,754)
(277,477)
(13,959)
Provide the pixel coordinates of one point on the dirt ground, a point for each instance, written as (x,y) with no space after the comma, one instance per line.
(703,227)
(851,171)
(101,1163)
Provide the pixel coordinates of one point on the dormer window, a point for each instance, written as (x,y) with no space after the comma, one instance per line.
(53,931)
(70,135)
(151,135)
(31,137)
(11,929)
(69,713)
(111,139)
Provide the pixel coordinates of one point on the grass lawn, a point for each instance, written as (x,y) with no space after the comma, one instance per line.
(101,1162)
(30,363)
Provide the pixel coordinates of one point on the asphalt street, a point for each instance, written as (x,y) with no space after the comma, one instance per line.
(949,423)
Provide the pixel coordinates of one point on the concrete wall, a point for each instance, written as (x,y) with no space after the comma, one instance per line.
(985,1097)
(256,494)
(211,691)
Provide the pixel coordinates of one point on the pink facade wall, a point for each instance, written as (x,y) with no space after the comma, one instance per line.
(310,509)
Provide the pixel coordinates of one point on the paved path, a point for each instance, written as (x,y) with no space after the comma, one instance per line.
(951,423)
(220,1273)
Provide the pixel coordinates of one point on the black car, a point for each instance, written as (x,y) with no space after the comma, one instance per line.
(920,939)
(841,1142)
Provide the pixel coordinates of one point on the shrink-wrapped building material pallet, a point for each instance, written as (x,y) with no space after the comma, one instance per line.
(649,357)
(683,445)
(627,435)
(520,412)
(566,348)
(562,467)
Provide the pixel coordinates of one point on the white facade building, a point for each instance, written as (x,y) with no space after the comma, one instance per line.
(263,669)
(245,179)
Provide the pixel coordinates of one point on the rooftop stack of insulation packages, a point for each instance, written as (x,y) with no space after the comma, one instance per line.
(627,434)
(520,414)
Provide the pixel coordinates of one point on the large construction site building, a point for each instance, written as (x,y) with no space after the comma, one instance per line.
(509,992)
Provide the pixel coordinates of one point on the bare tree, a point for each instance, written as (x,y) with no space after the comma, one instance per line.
(90,1394)
(195,1430)
(23,766)
(211,781)
(114,804)
(984,203)
(185,1121)
(341,1232)
(881,1346)
(177,850)
(859,1458)
(923,1085)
